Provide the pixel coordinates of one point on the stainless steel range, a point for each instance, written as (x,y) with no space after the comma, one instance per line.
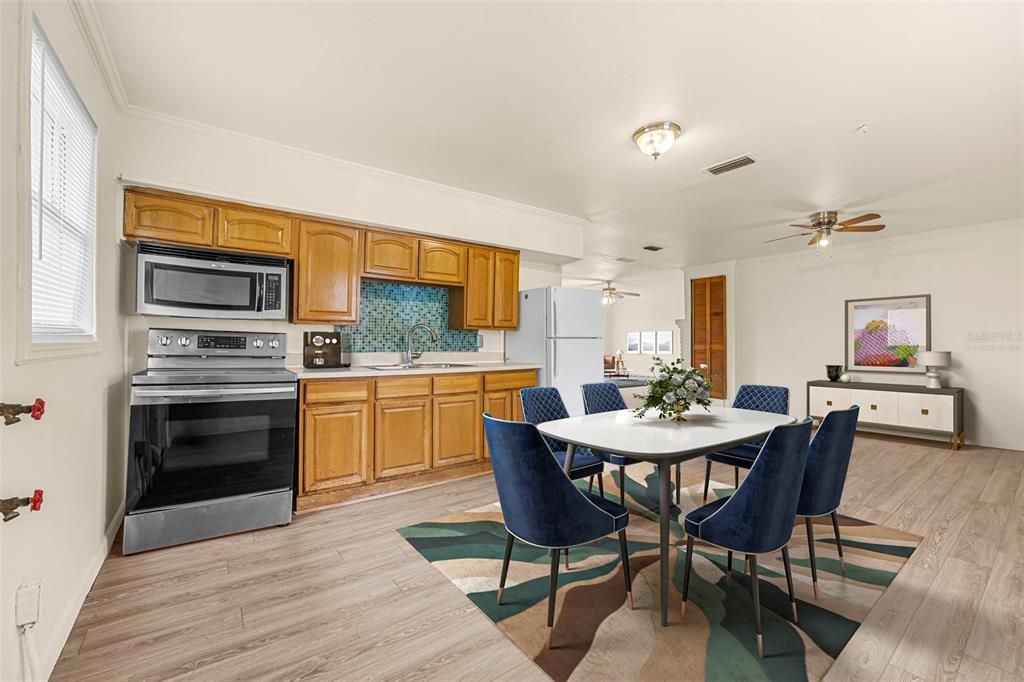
(212,438)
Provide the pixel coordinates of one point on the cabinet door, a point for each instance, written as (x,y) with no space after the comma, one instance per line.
(924,411)
(477,298)
(336,446)
(498,404)
(506,289)
(825,399)
(149,216)
(259,231)
(390,256)
(402,442)
(442,262)
(327,273)
(877,407)
(458,426)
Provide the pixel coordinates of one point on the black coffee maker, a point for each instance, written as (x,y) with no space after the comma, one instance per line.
(324,350)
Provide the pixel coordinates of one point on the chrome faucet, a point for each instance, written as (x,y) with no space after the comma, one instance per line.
(409,356)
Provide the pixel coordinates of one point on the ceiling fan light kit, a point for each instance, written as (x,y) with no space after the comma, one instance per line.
(654,139)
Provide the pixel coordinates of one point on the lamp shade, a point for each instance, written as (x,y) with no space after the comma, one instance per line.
(934,358)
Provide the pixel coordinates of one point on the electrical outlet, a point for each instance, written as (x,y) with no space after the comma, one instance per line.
(479,340)
(26,604)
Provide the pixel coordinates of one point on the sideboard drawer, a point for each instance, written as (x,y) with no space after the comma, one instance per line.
(878,407)
(923,411)
(824,400)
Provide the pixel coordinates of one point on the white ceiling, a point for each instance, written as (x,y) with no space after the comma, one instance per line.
(536,103)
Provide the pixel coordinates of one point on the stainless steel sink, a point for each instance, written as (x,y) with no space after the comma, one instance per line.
(420,365)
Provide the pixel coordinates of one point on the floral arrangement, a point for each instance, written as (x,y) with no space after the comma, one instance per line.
(674,390)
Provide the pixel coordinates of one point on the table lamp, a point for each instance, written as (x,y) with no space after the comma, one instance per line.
(933,359)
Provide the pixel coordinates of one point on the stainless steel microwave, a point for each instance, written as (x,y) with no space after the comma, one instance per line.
(187,282)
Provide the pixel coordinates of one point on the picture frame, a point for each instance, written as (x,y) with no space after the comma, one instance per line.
(632,343)
(663,343)
(648,343)
(886,334)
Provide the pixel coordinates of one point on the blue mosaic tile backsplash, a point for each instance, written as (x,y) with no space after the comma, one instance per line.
(388,309)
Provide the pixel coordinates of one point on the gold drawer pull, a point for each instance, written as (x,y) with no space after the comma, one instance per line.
(874,407)
(924,411)
(828,402)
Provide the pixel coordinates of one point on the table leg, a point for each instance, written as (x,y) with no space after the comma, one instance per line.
(570,452)
(665,506)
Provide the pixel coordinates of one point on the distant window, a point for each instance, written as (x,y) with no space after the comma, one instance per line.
(63,145)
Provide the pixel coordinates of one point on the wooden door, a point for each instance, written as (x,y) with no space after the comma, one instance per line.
(327,273)
(708,330)
(472,306)
(457,429)
(390,256)
(336,446)
(260,231)
(498,404)
(402,437)
(148,216)
(442,262)
(506,289)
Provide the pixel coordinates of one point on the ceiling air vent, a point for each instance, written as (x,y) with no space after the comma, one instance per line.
(730,165)
(651,247)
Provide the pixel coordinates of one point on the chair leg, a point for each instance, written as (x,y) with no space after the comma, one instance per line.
(707,480)
(622,486)
(624,551)
(789,582)
(504,565)
(590,487)
(600,485)
(839,543)
(567,558)
(736,476)
(679,481)
(728,573)
(757,604)
(810,551)
(552,590)
(686,575)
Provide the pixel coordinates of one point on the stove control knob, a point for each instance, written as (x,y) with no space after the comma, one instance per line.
(257,343)
(165,340)
(318,340)
(274,343)
(184,341)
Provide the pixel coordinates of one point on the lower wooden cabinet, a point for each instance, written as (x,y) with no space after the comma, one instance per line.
(498,404)
(458,429)
(337,441)
(402,444)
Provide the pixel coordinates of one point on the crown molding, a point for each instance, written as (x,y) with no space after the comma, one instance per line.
(88,20)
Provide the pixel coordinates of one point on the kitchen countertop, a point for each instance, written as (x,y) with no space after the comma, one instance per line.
(367,372)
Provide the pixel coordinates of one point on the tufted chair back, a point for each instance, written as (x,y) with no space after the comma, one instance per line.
(603,397)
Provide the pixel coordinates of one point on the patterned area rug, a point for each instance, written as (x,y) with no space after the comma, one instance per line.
(597,636)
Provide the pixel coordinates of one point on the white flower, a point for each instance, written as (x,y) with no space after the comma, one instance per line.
(677,381)
(703,394)
(662,376)
(691,385)
(669,397)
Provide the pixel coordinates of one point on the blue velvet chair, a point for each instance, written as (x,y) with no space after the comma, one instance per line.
(749,397)
(758,517)
(545,404)
(542,507)
(605,397)
(828,458)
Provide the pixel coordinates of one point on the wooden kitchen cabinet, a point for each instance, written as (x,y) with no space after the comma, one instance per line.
(498,404)
(170,219)
(472,307)
(506,289)
(442,262)
(402,442)
(458,429)
(337,446)
(327,273)
(391,256)
(256,231)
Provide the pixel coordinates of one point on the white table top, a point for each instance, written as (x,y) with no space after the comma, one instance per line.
(651,438)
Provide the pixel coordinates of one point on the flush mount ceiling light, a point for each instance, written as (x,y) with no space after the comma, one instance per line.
(654,139)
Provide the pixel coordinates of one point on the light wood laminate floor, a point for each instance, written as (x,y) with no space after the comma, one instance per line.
(339,595)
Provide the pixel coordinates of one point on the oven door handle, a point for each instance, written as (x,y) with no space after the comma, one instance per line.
(142,396)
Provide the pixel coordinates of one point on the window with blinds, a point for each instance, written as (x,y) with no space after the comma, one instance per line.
(63,144)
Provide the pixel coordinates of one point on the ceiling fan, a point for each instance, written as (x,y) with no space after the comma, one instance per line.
(824,223)
(610,294)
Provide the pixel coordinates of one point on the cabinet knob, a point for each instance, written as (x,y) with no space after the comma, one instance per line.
(828,402)
(874,407)
(924,410)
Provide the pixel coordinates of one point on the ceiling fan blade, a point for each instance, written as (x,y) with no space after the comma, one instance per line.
(861,228)
(806,227)
(788,236)
(859,219)
(814,239)
(627,293)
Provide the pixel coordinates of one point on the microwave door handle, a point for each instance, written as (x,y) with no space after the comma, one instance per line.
(261,282)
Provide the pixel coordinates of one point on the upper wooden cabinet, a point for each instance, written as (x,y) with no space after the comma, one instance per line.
(148,216)
(259,231)
(473,306)
(506,289)
(327,273)
(390,256)
(442,262)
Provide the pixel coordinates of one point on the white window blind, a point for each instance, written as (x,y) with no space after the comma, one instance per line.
(63,143)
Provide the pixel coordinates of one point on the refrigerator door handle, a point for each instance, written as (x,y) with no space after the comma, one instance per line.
(554,359)
(554,318)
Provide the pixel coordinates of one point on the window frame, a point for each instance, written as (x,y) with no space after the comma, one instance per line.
(29,347)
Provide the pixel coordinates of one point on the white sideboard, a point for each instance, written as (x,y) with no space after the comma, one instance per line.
(893,406)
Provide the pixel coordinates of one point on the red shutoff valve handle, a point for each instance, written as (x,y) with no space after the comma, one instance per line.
(38,410)
(37,498)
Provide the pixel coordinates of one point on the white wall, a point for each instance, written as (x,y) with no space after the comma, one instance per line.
(790,315)
(656,309)
(76,453)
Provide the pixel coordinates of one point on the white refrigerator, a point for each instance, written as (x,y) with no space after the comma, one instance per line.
(561,329)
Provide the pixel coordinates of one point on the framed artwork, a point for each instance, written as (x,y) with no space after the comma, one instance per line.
(664,343)
(886,334)
(647,343)
(632,342)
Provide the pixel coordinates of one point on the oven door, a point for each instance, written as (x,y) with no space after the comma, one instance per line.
(193,444)
(187,287)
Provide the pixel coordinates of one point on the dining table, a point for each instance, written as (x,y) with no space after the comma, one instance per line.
(663,442)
